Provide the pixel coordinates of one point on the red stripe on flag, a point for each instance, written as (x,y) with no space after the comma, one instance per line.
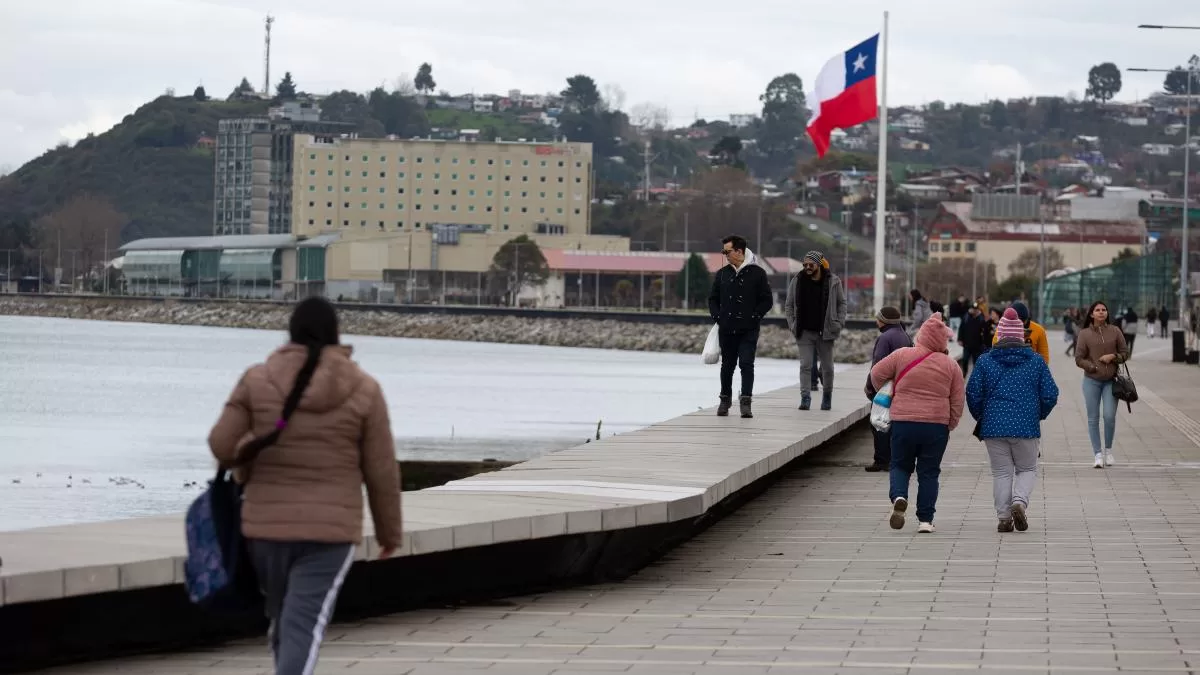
(850,108)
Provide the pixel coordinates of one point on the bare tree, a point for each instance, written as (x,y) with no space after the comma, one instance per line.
(403,85)
(85,225)
(649,116)
(613,97)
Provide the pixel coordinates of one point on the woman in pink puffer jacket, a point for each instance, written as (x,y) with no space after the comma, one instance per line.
(926,406)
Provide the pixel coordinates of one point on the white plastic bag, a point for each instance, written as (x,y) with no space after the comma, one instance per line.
(881,407)
(712,347)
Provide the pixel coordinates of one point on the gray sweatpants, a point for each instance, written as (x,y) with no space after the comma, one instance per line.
(808,341)
(300,581)
(1014,471)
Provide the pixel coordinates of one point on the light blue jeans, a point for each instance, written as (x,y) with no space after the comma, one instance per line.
(1095,392)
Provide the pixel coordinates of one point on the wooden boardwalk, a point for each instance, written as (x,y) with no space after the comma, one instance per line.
(808,578)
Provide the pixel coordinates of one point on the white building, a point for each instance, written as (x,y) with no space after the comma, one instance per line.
(739,120)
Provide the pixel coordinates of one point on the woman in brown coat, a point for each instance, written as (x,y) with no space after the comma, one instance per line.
(317,427)
(1099,349)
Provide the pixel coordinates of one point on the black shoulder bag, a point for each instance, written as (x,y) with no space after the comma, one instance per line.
(1123,388)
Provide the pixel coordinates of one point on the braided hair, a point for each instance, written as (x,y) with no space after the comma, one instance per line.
(313,325)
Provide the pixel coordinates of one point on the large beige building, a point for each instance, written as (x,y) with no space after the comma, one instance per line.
(383,185)
(412,216)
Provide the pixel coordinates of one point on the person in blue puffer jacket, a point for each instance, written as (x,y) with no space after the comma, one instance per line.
(1010,392)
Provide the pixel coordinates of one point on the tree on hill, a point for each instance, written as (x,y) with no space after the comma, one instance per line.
(397,113)
(585,121)
(1176,82)
(1104,82)
(424,80)
(199,94)
(727,152)
(286,89)
(243,90)
(784,116)
(518,263)
(581,93)
(694,280)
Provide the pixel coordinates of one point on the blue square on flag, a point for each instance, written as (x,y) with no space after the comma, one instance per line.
(860,61)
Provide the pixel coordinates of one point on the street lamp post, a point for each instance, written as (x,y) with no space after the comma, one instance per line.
(1192,69)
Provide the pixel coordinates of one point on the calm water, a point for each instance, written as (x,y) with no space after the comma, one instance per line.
(103,420)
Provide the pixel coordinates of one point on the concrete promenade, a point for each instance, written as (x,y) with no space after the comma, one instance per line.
(809,578)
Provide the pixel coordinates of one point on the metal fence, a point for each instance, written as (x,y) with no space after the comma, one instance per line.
(1140,283)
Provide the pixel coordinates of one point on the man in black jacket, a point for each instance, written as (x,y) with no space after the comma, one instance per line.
(740,298)
(971,337)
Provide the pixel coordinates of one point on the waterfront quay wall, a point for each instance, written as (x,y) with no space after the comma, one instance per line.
(599,329)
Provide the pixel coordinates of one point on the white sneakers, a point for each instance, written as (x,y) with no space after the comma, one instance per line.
(1108,458)
(1103,460)
(896,519)
(1099,463)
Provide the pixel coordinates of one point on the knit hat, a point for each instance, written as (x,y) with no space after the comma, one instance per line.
(888,315)
(817,258)
(1010,326)
(1022,311)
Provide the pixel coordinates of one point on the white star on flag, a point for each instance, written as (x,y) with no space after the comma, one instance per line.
(860,62)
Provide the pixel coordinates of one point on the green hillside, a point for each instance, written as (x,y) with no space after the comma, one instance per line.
(148,167)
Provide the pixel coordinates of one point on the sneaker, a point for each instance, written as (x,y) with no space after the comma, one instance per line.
(1019,519)
(1108,458)
(805,401)
(1004,526)
(899,506)
(925,528)
(874,468)
(1099,463)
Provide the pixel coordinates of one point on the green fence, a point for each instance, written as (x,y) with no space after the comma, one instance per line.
(1141,283)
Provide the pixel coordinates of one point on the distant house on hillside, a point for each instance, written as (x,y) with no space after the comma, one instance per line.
(206,142)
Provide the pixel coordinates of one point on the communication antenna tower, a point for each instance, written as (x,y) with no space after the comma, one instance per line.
(267,58)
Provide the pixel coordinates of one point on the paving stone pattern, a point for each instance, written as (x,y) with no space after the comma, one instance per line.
(809,578)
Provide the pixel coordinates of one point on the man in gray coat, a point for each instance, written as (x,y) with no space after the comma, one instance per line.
(816,312)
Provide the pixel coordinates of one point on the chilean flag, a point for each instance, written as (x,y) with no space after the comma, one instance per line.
(845,92)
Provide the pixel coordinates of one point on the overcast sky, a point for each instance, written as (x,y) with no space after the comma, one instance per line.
(69,67)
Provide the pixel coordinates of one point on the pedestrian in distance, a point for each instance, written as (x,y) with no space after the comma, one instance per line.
(927,405)
(1035,334)
(740,298)
(891,337)
(318,428)
(1099,350)
(970,337)
(816,313)
(920,310)
(1010,392)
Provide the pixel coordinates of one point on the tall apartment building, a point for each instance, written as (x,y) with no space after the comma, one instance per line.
(359,185)
(253,169)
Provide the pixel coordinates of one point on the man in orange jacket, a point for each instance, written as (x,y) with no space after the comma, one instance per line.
(1035,335)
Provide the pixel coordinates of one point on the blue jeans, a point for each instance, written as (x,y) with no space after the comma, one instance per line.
(918,445)
(1095,392)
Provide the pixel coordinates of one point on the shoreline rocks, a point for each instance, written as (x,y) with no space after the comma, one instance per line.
(854,346)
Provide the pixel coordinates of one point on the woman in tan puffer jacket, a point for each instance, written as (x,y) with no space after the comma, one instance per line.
(314,428)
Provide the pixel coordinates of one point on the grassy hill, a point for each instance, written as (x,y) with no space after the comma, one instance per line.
(148,167)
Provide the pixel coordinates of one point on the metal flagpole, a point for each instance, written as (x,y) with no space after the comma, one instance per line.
(881,176)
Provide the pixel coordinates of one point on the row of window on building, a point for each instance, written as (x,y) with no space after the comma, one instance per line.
(401,159)
(437,207)
(947,247)
(438,176)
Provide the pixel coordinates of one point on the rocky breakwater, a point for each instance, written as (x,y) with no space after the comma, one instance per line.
(853,347)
